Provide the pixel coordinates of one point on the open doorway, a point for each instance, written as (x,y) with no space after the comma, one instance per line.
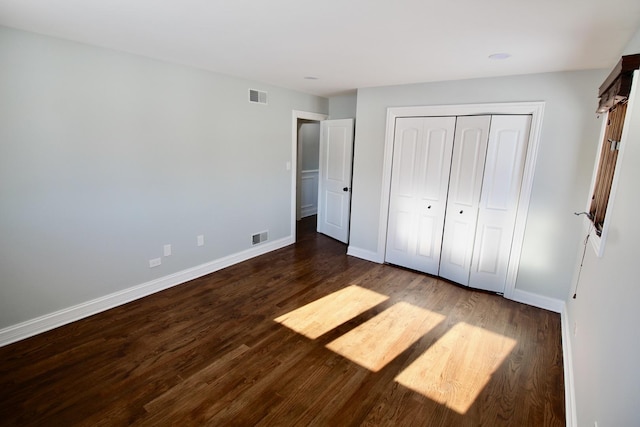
(305,138)
(330,157)
(307,170)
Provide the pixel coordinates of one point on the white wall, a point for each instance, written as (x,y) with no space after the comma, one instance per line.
(309,146)
(606,346)
(105,157)
(633,46)
(309,158)
(562,174)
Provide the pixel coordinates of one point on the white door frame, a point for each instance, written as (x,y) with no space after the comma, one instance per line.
(305,115)
(536,109)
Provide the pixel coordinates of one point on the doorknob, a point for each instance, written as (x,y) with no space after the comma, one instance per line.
(345,189)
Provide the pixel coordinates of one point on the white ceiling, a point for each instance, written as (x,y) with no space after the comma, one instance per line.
(347,44)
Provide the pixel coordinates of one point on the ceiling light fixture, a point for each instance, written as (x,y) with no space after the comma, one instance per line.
(499,56)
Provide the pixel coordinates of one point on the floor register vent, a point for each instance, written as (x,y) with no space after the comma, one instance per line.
(257,96)
(259,238)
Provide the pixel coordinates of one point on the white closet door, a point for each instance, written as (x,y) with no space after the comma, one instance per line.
(506,155)
(467,166)
(419,181)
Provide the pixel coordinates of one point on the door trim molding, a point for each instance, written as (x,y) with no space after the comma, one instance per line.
(535,109)
(295,115)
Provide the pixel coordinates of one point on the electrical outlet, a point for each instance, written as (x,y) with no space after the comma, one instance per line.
(155,262)
(200,240)
(167,250)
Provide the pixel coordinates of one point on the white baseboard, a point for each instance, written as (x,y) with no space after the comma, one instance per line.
(306,211)
(567,362)
(50,321)
(536,300)
(365,254)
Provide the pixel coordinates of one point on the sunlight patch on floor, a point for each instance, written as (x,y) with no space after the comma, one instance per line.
(324,314)
(381,339)
(455,369)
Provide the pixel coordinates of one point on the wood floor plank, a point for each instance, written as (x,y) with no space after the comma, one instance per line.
(211,352)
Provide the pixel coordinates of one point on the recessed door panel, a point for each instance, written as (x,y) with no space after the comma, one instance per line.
(470,145)
(458,254)
(338,144)
(436,165)
(467,167)
(419,184)
(426,243)
(334,208)
(489,239)
(506,155)
(406,152)
(401,231)
(503,169)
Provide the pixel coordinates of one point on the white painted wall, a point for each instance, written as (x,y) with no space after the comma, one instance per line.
(606,346)
(633,46)
(309,147)
(563,168)
(106,156)
(309,158)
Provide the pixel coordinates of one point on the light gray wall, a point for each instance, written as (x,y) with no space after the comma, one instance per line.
(562,173)
(343,106)
(105,157)
(606,345)
(633,46)
(309,134)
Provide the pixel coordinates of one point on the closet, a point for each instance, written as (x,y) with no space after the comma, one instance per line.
(455,187)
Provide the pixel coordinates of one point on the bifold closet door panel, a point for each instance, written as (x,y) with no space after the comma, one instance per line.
(419,180)
(465,185)
(506,156)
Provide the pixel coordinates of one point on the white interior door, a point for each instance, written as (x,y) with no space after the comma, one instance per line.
(465,185)
(506,155)
(334,189)
(420,177)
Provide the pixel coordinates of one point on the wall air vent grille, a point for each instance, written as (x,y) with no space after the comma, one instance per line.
(257,97)
(259,238)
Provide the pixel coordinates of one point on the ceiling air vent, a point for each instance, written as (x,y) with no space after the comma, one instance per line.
(257,97)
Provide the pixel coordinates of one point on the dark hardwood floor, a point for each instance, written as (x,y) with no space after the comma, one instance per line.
(301,336)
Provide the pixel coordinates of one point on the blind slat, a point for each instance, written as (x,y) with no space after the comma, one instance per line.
(606,166)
